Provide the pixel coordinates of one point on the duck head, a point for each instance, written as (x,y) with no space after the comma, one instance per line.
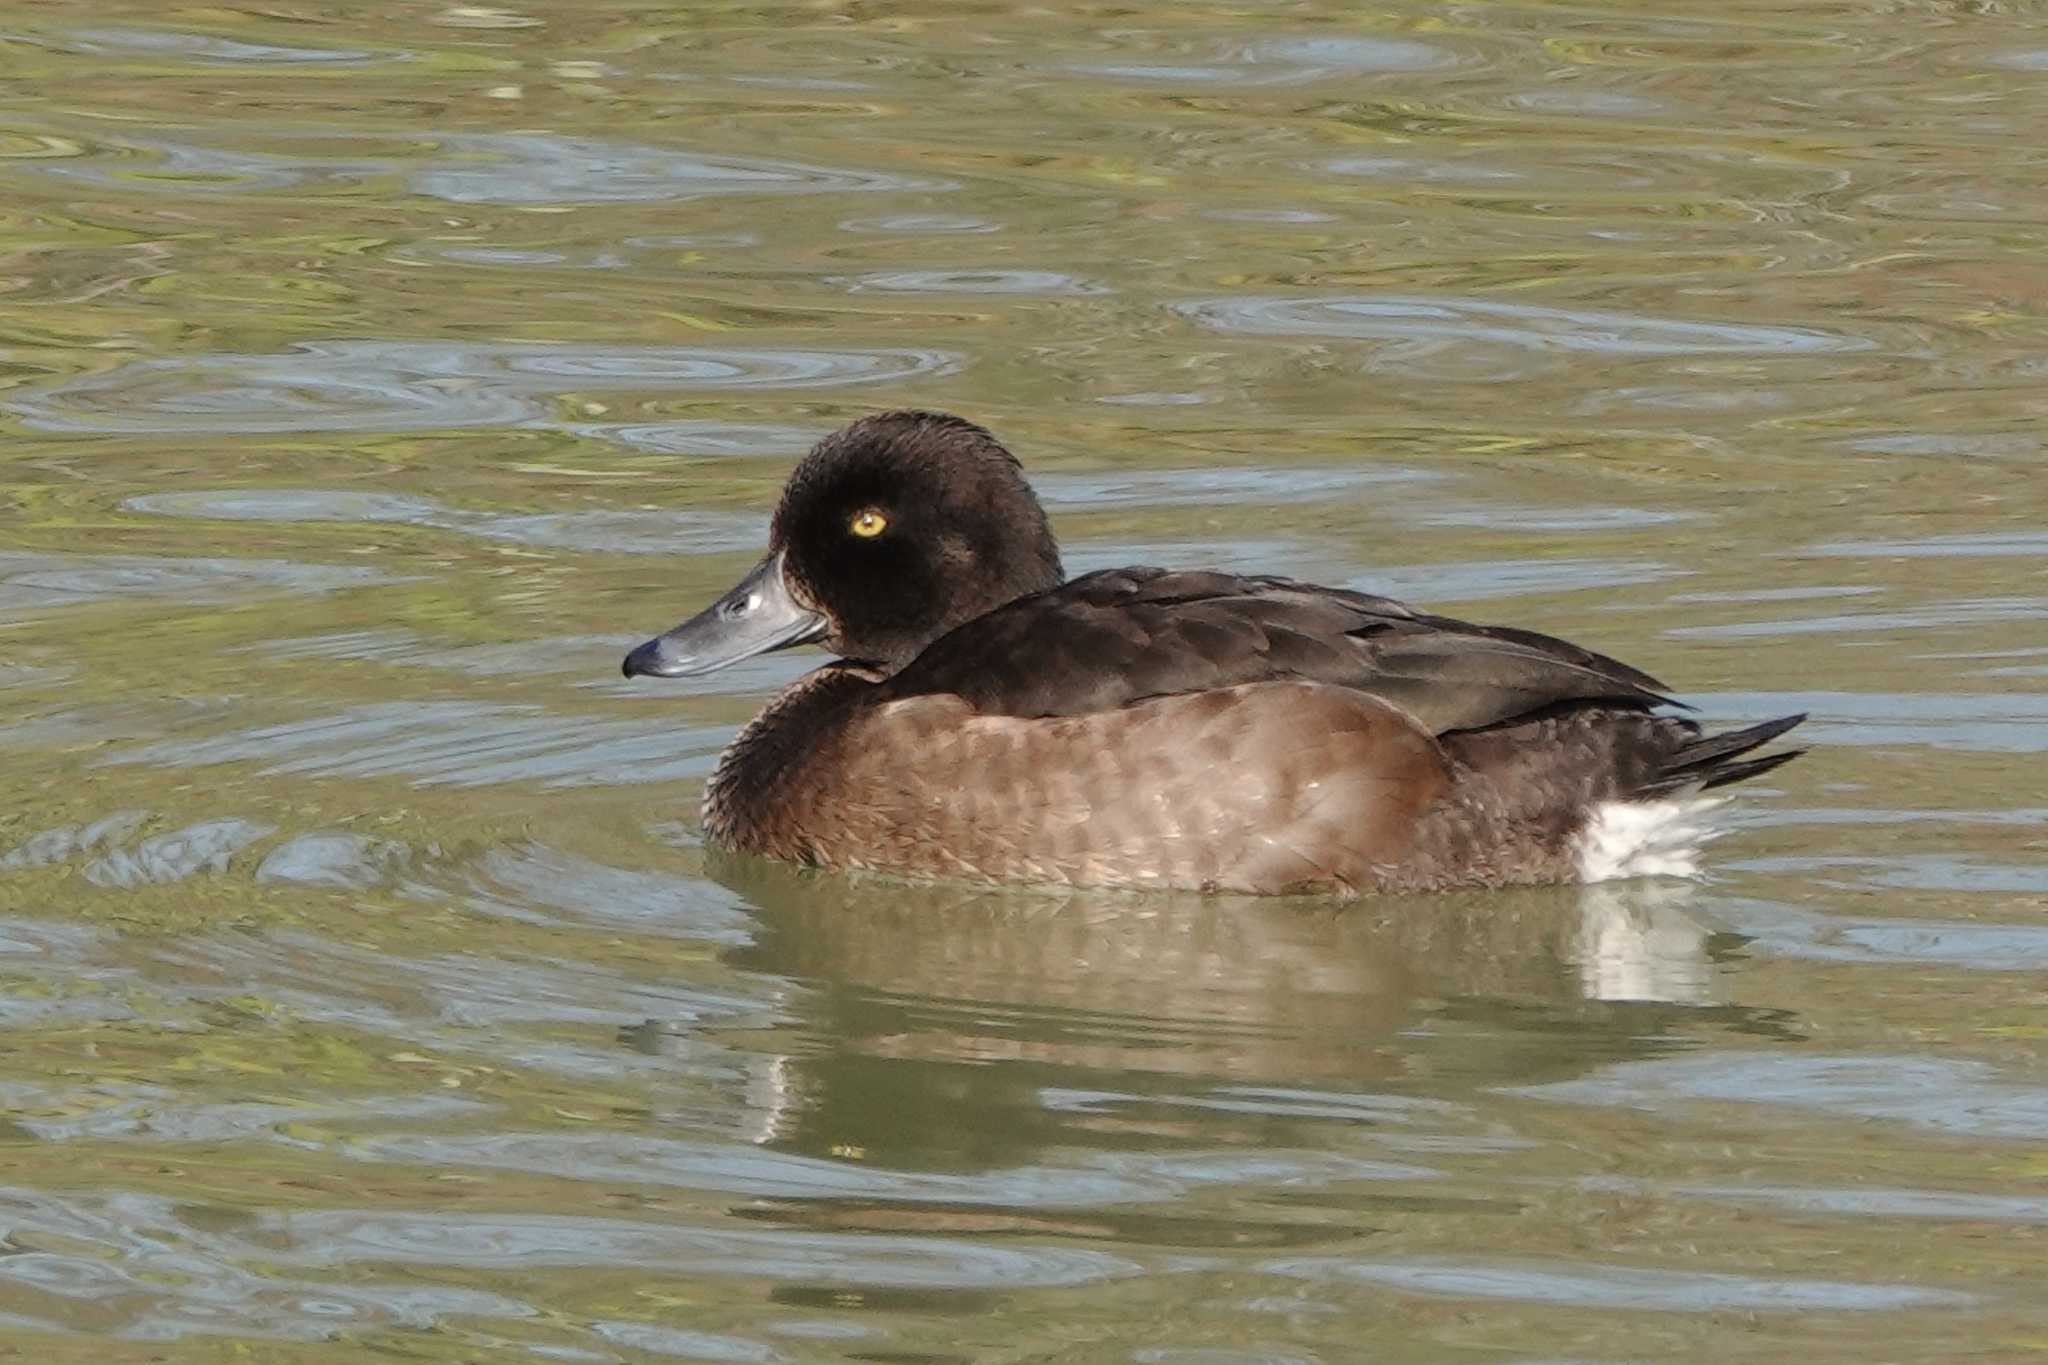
(891,532)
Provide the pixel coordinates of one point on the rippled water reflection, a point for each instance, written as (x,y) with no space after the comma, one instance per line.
(371,382)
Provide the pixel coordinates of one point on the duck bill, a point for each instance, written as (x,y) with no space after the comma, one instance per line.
(758,615)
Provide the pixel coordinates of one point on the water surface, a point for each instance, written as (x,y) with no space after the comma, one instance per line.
(370,382)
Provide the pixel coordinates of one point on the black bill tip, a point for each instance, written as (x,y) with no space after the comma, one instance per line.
(759,614)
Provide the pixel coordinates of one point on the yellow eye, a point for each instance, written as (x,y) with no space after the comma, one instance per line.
(868,524)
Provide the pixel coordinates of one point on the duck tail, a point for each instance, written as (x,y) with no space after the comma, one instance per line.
(1709,761)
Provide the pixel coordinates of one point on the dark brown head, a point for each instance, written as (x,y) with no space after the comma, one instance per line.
(890,533)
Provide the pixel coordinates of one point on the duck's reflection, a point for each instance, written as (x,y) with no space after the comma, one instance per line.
(958,1025)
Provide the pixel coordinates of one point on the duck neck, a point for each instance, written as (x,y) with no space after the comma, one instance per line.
(752,802)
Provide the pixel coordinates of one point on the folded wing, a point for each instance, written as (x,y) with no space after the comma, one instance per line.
(1109,639)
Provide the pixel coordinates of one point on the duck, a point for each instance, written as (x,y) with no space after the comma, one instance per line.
(983,717)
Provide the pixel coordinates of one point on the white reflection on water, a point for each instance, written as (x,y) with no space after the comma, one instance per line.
(1640,942)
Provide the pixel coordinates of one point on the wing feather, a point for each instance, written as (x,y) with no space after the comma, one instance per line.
(1109,639)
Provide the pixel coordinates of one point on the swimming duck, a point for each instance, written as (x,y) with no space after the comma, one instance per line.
(987,718)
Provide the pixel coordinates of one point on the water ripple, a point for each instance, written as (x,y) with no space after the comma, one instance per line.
(605,532)
(426,385)
(1966,545)
(703,438)
(478,168)
(324,980)
(481,1240)
(1485,580)
(761,1173)
(156,42)
(545,885)
(668,1341)
(921,223)
(589,655)
(30,581)
(541,168)
(454,743)
(1043,283)
(205,847)
(1956,1097)
(1618,1286)
(1983,722)
(1778,930)
(1861,1201)
(50,846)
(1279,62)
(348,862)
(1938,616)
(1909,872)
(154,1276)
(1205,487)
(110,1110)
(1450,319)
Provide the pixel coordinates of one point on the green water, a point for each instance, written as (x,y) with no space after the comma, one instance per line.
(372,377)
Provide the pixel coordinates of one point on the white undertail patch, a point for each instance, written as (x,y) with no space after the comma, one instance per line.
(1647,838)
